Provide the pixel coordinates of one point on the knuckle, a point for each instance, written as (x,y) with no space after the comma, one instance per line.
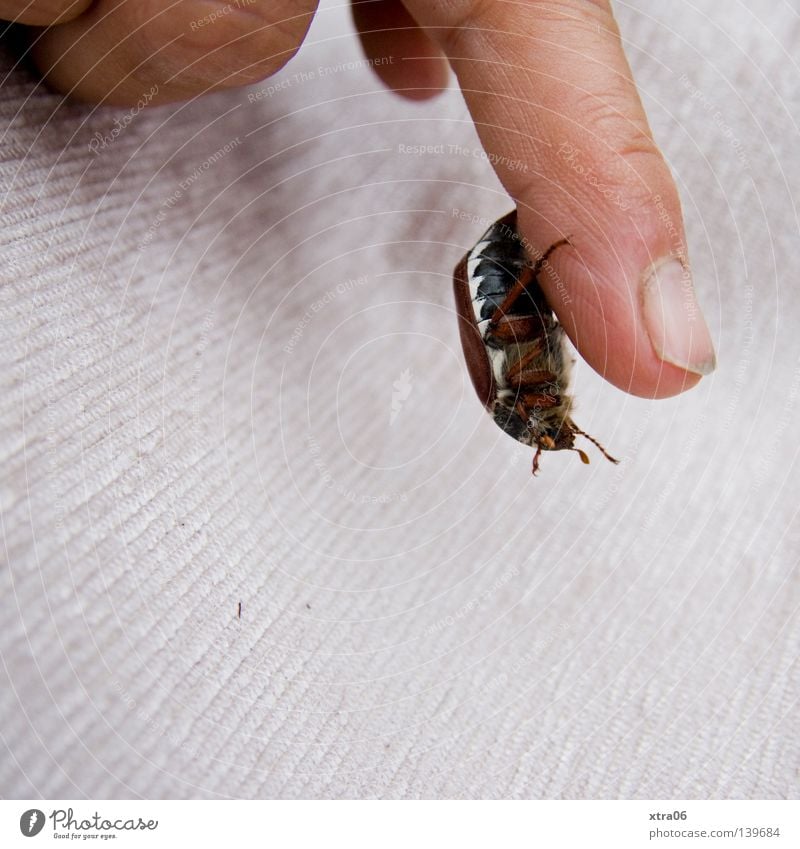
(461,21)
(224,46)
(622,150)
(610,117)
(48,12)
(572,10)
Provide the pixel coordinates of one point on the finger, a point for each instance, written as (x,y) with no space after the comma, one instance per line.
(400,53)
(41,12)
(556,108)
(122,48)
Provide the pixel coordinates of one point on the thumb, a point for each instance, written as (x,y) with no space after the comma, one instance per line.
(557,110)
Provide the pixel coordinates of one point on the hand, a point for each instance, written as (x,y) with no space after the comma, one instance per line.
(547,84)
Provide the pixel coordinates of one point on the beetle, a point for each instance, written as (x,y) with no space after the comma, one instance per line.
(514,346)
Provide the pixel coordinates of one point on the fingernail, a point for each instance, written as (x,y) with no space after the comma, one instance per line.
(673,319)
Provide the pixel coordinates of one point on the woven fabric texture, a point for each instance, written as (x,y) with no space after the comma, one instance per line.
(231,375)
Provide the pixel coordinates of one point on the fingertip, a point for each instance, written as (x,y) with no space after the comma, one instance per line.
(422,79)
(399,52)
(559,113)
(642,338)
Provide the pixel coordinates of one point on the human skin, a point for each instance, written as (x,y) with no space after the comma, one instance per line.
(547,84)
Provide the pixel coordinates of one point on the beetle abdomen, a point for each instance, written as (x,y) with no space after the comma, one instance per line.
(493,267)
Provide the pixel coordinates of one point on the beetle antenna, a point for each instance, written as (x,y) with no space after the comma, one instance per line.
(591,439)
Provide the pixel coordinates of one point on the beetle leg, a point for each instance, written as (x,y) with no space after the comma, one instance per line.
(523,376)
(536,459)
(517,329)
(529,379)
(526,278)
(541,400)
(525,360)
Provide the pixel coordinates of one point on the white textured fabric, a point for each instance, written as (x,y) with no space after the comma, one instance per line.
(231,373)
